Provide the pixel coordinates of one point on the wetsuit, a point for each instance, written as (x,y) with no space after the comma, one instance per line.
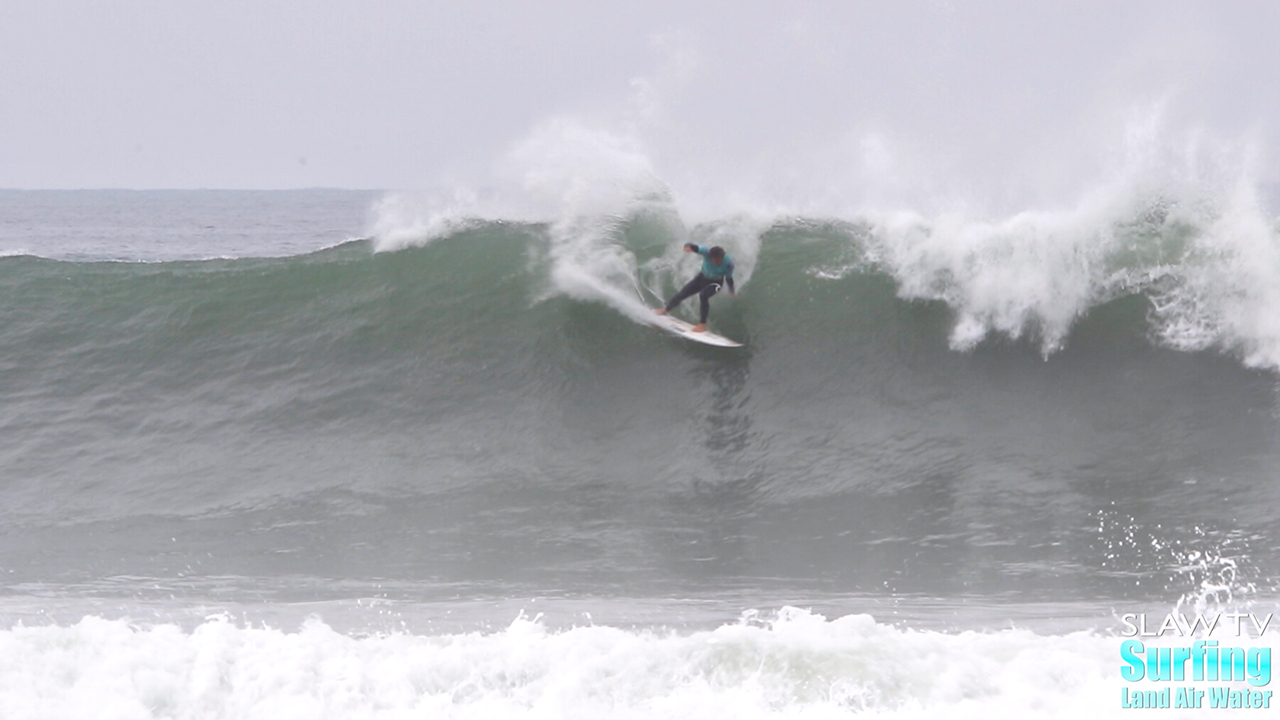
(706,283)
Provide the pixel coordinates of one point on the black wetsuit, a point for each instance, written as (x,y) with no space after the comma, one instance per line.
(705,287)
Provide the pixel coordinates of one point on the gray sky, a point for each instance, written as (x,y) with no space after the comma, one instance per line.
(399,94)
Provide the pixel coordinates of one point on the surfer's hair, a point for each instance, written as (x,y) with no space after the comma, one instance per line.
(716,253)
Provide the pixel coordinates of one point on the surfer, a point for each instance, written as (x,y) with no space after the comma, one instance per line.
(717,272)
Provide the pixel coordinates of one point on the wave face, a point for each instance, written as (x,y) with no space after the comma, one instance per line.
(482,403)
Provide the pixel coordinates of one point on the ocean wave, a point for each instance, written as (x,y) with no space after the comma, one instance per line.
(793,664)
(509,366)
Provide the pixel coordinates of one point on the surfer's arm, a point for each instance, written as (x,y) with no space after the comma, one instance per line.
(692,247)
(728,280)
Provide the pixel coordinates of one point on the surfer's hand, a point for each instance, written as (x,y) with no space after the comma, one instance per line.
(688,247)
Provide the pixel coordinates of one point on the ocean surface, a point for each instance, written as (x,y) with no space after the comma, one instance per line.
(339,454)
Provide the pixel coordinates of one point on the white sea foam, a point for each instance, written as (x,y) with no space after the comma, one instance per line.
(1227,292)
(798,665)
(590,179)
(402,219)
(1213,249)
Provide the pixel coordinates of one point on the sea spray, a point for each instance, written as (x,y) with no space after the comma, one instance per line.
(1172,214)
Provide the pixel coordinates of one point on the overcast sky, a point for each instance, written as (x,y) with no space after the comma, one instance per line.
(401,94)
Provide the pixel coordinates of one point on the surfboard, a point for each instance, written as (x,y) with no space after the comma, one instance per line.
(676,326)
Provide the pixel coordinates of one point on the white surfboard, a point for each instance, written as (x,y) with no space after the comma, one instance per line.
(676,326)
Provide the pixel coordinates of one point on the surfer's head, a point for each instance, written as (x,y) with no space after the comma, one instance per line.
(716,254)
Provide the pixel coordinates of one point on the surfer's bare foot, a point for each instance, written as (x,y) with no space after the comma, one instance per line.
(700,327)
(660,311)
